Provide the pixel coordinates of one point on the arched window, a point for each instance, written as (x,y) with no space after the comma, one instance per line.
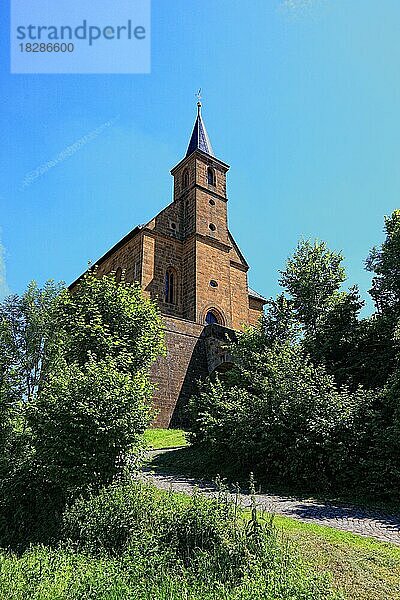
(185,178)
(170,286)
(118,275)
(210,176)
(211,318)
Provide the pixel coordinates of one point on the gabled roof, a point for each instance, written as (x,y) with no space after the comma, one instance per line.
(109,252)
(199,139)
(236,247)
(254,294)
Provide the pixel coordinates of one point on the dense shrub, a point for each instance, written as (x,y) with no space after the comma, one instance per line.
(118,515)
(164,541)
(76,395)
(136,515)
(313,398)
(380,458)
(280,415)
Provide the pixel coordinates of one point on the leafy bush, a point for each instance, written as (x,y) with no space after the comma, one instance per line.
(136,515)
(313,397)
(280,415)
(114,518)
(203,546)
(76,393)
(380,459)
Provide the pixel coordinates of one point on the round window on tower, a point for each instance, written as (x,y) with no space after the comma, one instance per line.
(213,283)
(212,227)
(212,202)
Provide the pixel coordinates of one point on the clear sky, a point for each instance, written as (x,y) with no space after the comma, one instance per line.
(300,97)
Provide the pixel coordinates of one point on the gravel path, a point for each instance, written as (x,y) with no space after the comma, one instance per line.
(372,523)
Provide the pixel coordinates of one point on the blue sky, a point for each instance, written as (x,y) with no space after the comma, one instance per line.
(300,97)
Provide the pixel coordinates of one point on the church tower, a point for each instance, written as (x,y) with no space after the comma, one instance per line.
(200,190)
(186,259)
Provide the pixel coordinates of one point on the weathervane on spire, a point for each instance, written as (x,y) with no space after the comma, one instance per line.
(198,96)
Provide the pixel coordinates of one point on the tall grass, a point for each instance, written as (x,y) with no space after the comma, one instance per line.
(133,541)
(46,574)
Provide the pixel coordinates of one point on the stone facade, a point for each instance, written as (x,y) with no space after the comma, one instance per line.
(186,259)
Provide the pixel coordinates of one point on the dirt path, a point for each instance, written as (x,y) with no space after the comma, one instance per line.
(371,523)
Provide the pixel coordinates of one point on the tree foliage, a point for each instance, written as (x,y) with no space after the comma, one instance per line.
(385,263)
(311,278)
(75,392)
(279,414)
(380,346)
(327,316)
(314,394)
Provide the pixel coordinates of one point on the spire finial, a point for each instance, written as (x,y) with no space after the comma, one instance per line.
(198,96)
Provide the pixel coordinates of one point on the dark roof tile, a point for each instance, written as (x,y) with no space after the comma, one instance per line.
(199,139)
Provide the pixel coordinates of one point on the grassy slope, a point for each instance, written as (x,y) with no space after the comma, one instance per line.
(45,574)
(365,568)
(165,438)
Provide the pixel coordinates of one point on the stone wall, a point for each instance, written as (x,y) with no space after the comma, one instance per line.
(256,308)
(128,257)
(239,296)
(175,375)
(193,352)
(212,264)
(216,340)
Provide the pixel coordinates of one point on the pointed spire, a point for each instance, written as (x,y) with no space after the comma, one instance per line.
(199,139)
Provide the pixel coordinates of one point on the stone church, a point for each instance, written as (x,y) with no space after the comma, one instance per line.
(188,261)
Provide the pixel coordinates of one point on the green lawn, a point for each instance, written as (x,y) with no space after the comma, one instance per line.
(365,568)
(165,438)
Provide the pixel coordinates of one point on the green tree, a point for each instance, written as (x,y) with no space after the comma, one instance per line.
(379,345)
(76,369)
(329,317)
(336,339)
(385,263)
(28,344)
(102,318)
(28,340)
(293,407)
(381,460)
(279,323)
(313,275)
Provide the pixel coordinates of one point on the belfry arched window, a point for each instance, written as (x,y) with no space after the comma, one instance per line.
(210,176)
(185,178)
(170,286)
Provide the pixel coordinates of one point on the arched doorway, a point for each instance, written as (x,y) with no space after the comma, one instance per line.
(212,316)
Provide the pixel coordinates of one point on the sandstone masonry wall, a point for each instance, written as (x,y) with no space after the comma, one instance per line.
(175,375)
